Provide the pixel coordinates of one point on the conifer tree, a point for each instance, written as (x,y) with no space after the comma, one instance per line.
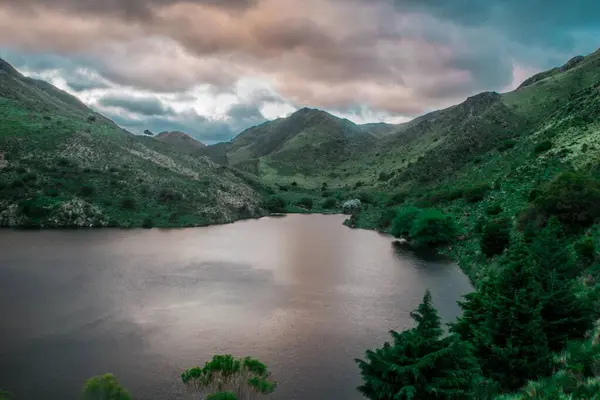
(567,315)
(504,323)
(420,363)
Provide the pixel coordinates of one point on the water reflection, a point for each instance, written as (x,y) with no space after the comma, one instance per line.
(303,293)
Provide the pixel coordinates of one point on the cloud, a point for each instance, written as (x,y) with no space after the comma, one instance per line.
(148,106)
(398,58)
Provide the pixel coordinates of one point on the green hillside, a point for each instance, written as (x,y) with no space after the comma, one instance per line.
(180,141)
(61,164)
(303,143)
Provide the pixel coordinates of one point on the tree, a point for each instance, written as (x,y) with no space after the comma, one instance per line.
(305,202)
(420,363)
(244,378)
(104,387)
(567,315)
(275,205)
(4,395)
(574,198)
(432,228)
(496,237)
(403,222)
(503,320)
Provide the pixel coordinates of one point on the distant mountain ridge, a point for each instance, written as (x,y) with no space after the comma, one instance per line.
(305,139)
(180,141)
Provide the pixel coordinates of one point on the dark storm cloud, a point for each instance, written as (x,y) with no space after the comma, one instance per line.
(148,106)
(130,9)
(397,56)
(548,22)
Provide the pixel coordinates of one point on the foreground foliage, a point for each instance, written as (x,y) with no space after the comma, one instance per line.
(104,387)
(225,376)
(420,363)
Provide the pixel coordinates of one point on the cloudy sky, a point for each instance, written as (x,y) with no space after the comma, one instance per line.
(214,67)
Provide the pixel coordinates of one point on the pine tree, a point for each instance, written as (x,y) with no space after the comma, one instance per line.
(504,323)
(566,315)
(420,363)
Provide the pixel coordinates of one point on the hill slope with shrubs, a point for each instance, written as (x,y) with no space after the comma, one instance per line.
(63,165)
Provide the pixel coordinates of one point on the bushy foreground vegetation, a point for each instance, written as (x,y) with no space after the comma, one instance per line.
(222,378)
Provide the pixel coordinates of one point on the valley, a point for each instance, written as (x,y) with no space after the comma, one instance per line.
(506,184)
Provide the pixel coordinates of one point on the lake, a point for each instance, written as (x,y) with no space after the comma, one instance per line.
(303,293)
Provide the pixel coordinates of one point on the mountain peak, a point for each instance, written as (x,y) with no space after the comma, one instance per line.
(181,141)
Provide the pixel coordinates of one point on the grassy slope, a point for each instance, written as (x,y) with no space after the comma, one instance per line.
(487,141)
(285,150)
(64,165)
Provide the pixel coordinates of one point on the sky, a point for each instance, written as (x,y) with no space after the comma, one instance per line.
(212,68)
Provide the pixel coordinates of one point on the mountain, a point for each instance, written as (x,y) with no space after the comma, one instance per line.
(180,141)
(62,164)
(379,129)
(305,142)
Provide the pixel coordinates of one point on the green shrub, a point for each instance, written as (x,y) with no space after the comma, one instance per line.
(86,191)
(397,199)
(403,222)
(128,203)
(305,202)
(476,193)
(507,145)
(168,195)
(386,217)
(542,147)
(574,198)
(494,209)
(433,228)
(275,204)
(329,203)
(496,237)
(147,223)
(36,208)
(365,198)
(586,251)
(104,387)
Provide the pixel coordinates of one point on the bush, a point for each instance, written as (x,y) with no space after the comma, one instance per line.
(305,202)
(352,206)
(365,197)
(542,147)
(168,195)
(386,217)
(475,194)
(397,199)
(275,205)
(507,145)
(86,190)
(572,197)
(329,203)
(128,203)
(147,223)
(105,387)
(494,209)
(433,228)
(586,251)
(403,221)
(496,237)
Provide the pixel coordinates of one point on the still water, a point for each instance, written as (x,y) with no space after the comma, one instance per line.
(304,294)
